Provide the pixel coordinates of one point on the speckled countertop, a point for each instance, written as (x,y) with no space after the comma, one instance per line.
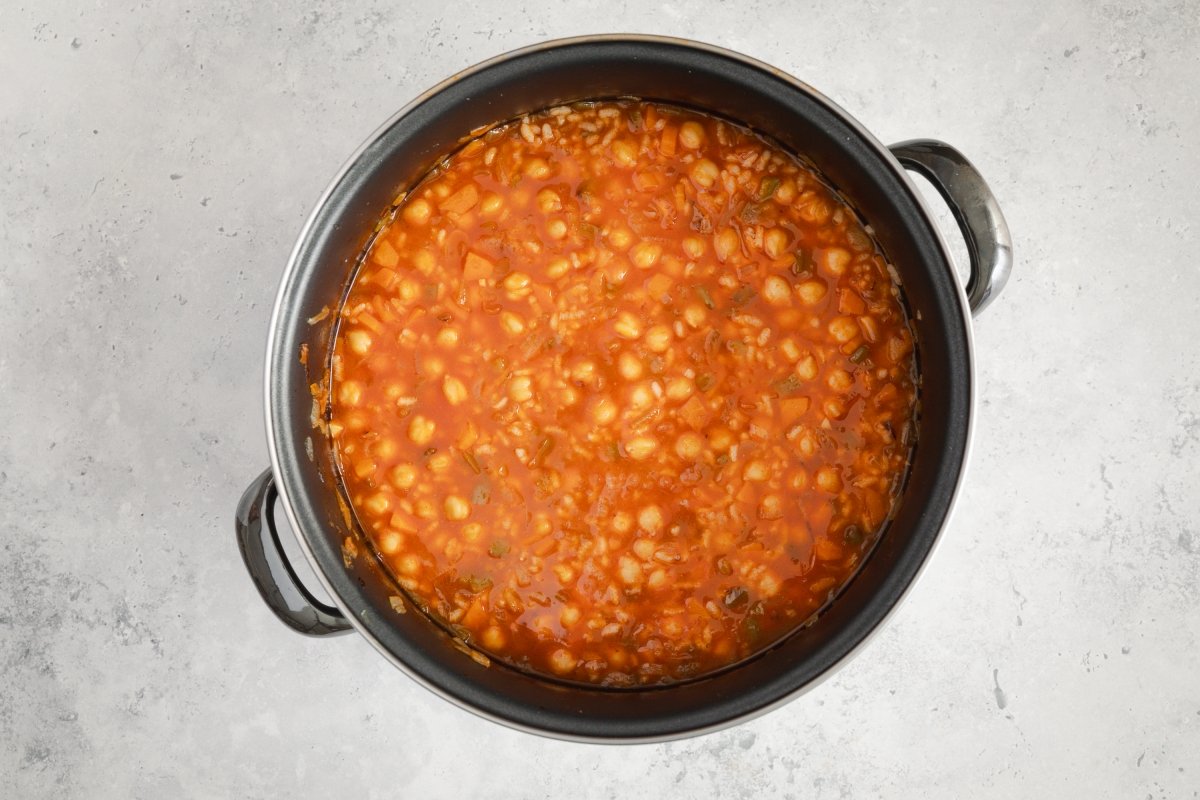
(156,162)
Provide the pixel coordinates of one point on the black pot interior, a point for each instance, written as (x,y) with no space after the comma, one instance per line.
(654,69)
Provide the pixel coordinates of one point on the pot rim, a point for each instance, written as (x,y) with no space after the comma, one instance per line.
(277,314)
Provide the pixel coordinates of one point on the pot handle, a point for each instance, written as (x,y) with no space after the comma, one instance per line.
(975,209)
(305,613)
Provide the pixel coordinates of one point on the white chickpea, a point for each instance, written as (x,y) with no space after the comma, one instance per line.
(417,212)
(537,168)
(604,410)
(829,480)
(776,291)
(650,519)
(658,339)
(456,508)
(756,471)
(840,381)
(403,476)
(704,173)
(645,254)
(454,390)
(639,448)
(562,662)
(694,247)
(691,135)
(512,324)
(689,445)
(520,389)
(359,341)
(680,388)
(835,260)
(775,241)
(811,292)
(630,366)
(350,393)
(725,244)
(843,329)
(421,430)
(625,152)
(627,326)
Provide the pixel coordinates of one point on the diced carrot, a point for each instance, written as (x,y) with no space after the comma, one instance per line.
(461,201)
(476,267)
(695,413)
(849,302)
(666,145)
(792,408)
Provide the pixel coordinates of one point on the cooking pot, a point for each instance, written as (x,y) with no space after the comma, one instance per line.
(302,473)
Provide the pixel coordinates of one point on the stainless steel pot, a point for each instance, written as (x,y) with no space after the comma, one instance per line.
(302,470)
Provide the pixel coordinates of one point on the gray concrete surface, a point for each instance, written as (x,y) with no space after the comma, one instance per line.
(156,162)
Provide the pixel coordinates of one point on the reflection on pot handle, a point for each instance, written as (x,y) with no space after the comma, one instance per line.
(975,209)
(303,612)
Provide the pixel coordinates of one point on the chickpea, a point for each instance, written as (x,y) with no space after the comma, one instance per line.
(421,430)
(630,366)
(721,438)
(694,247)
(417,212)
(512,324)
(840,381)
(604,410)
(491,204)
(493,638)
(756,471)
(537,168)
(456,508)
(645,254)
(625,153)
(359,341)
(403,476)
(695,315)
(689,445)
(620,238)
(350,393)
(811,292)
(454,390)
(691,135)
(520,389)
(378,503)
(658,339)
(843,329)
(829,479)
(775,242)
(639,448)
(627,326)
(704,173)
(776,291)
(629,570)
(650,519)
(548,201)
(835,260)
(516,282)
(680,388)
(725,244)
